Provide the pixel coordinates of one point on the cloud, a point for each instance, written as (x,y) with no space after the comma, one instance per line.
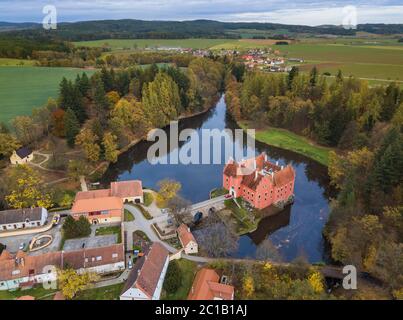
(308,12)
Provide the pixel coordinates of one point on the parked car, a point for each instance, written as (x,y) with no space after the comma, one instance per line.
(56,219)
(130,264)
(228,196)
(164,211)
(22,246)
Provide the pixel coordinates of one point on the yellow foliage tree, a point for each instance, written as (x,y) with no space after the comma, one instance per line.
(316,281)
(26,189)
(168,189)
(71,282)
(87,139)
(111,147)
(248,286)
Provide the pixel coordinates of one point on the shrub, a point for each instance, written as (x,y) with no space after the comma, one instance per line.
(173,277)
(76,228)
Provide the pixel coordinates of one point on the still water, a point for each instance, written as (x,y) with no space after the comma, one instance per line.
(295,231)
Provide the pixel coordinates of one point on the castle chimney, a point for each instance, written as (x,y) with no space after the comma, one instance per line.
(254,164)
(276,163)
(22,262)
(282,167)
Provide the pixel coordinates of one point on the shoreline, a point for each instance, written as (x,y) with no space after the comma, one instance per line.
(286,139)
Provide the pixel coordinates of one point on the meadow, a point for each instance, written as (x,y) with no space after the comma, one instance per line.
(127,44)
(371,58)
(24,88)
(288,140)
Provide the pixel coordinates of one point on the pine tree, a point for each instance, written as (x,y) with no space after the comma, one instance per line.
(71,126)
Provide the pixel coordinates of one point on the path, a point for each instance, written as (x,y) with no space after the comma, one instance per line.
(40,164)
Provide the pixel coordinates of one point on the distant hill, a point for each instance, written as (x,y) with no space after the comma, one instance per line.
(139,29)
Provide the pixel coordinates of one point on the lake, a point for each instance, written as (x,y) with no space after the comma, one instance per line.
(295,231)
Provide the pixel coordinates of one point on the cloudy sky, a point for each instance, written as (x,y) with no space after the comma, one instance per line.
(307,12)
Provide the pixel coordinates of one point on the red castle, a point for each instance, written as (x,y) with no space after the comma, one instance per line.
(259,182)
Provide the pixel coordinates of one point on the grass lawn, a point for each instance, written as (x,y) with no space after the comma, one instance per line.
(128,216)
(148,198)
(38,292)
(22,89)
(218,192)
(104,293)
(246,222)
(110,230)
(188,271)
(290,141)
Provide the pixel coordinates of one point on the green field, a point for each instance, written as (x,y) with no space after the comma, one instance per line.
(371,58)
(290,141)
(24,88)
(127,44)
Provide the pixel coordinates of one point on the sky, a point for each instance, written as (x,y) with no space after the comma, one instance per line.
(306,12)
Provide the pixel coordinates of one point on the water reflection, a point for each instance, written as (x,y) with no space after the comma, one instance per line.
(296,230)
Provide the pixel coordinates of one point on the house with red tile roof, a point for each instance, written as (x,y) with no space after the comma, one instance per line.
(187,239)
(147,276)
(128,191)
(259,182)
(106,205)
(99,210)
(207,286)
(23,270)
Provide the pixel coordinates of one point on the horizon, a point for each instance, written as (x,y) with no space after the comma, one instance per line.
(194,20)
(300,12)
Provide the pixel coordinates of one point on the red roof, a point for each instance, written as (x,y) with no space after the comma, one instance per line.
(146,279)
(98,204)
(185,235)
(23,265)
(126,189)
(206,286)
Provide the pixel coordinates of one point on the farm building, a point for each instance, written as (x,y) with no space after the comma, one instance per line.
(147,277)
(187,239)
(22,218)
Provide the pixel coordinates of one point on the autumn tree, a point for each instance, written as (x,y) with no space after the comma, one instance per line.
(71,282)
(26,189)
(88,141)
(76,169)
(8,144)
(25,129)
(179,209)
(161,100)
(168,189)
(110,147)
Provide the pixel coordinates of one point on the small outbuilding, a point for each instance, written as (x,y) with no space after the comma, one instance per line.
(187,239)
(21,156)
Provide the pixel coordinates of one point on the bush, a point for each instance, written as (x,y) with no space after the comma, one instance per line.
(173,277)
(76,228)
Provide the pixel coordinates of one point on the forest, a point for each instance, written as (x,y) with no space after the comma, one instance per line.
(364,124)
(140,29)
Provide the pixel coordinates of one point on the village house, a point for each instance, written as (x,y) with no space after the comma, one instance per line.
(22,218)
(99,210)
(187,239)
(147,276)
(23,270)
(21,156)
(207,286)
(128,191)
(259,182)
